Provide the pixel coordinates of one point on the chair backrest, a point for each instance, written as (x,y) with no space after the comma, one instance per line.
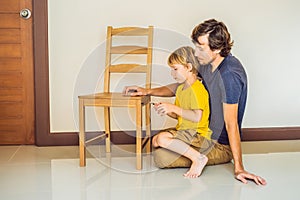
(121,50)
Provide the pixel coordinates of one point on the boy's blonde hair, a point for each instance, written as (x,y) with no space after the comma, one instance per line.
(183,56)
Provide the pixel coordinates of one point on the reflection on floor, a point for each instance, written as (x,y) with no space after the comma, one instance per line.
(29,172)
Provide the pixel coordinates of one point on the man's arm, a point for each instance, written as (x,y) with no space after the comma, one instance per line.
(163,91)
(231,123)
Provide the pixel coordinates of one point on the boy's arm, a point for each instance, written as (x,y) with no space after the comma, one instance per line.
(174,111)
(191,115)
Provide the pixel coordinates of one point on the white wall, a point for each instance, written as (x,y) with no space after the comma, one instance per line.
(266,35)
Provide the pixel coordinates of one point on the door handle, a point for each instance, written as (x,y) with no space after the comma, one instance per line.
(25,13)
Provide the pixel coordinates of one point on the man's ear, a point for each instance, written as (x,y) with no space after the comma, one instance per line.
(190,66)
(217,51)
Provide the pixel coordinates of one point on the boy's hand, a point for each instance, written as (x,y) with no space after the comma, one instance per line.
(164,108)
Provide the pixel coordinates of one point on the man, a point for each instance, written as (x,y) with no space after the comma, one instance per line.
(226,81)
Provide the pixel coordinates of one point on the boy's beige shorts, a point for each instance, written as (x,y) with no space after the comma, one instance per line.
(216,153)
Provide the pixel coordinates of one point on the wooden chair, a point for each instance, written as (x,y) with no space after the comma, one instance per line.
(109,99)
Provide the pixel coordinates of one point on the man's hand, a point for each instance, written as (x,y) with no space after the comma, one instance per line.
(243,176)
(134,91)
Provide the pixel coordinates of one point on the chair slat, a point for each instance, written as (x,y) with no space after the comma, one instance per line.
(128,50)
(130,31)
(128,68)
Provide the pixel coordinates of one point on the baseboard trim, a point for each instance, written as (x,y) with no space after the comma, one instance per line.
(272,133)
(121,137)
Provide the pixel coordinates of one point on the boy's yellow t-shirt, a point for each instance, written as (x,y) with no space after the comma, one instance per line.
(195,97)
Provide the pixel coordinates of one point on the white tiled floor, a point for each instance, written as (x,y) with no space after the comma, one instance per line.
(29,172)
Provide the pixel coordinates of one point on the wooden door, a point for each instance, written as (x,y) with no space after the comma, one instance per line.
(16,74)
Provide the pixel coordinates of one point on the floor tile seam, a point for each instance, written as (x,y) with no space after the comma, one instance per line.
(13,155)
(25,163)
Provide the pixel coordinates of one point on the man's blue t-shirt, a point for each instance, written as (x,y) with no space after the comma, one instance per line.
(227,84)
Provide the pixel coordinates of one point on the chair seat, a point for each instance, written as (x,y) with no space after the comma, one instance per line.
(114,99)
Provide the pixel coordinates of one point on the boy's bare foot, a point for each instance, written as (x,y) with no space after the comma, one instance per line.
(197,167)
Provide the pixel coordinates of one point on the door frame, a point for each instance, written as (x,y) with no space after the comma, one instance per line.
(43,136)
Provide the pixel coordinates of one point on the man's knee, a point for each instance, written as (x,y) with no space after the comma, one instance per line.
(160,158)
(220,154)
(164,158)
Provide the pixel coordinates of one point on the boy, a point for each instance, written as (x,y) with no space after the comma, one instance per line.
(191,109)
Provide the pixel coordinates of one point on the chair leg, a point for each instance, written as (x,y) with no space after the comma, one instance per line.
(148,128)
(82,150)
(107,128)
(139,163)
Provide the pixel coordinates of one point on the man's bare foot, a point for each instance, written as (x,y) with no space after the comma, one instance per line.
(197,167)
